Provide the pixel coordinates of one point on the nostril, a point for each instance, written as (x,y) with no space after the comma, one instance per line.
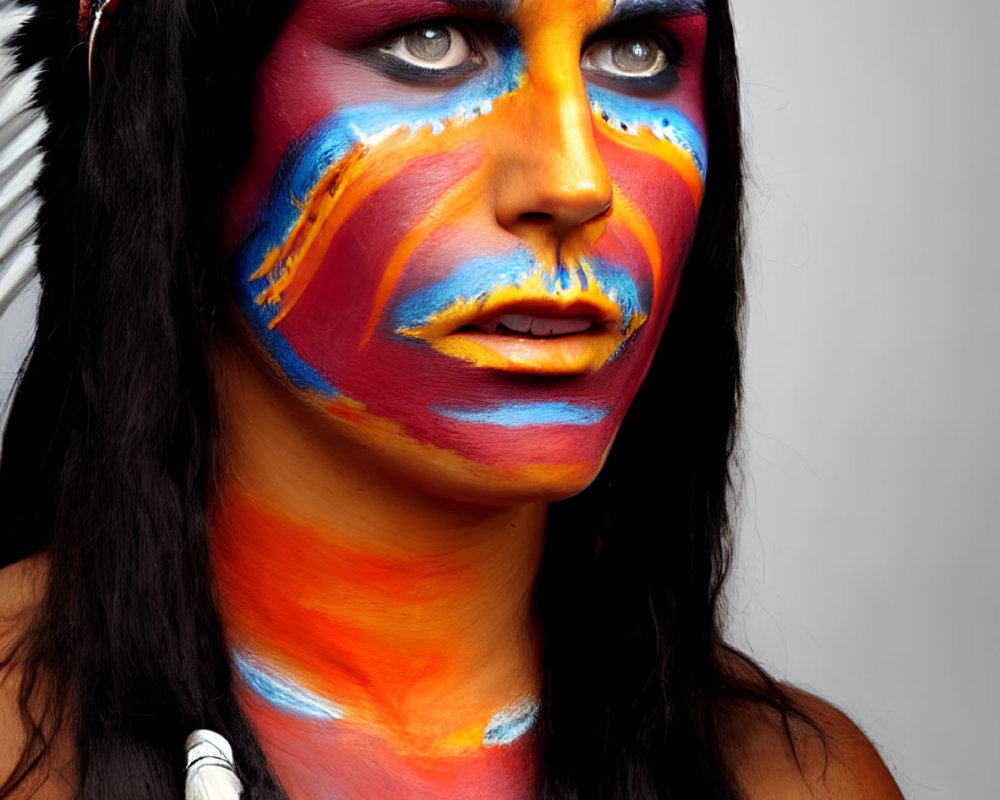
(536,216)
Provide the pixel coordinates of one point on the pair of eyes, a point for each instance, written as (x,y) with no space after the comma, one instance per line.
(437,51)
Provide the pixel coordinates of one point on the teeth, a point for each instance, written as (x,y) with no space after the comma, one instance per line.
(537,326)
(516,322)
(558,326)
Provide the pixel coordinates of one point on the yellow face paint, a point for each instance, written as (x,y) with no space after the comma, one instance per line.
(466,265)
(428,244)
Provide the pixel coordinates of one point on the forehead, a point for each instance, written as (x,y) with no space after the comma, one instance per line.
(509,9)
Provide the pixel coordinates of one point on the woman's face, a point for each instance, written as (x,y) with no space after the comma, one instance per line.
(461,225)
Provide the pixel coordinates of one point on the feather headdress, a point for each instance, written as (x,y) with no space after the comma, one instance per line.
(22,124)
(21,127)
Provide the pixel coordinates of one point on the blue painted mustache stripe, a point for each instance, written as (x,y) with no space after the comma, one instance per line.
(478,278)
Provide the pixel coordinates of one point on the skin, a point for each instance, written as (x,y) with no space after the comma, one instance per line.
(389,456)
(753,740)
(419,208)
(22,588)
(381,516)
(391,452)
(844,767)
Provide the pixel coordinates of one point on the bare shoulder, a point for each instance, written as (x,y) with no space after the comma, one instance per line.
(832,761)
(21,587)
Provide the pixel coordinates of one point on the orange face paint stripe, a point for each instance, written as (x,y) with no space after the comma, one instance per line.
(639,226)
(461,196)
(339,195)
(253,548)
(644,140)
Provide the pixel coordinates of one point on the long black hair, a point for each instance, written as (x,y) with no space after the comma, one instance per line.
(111,447)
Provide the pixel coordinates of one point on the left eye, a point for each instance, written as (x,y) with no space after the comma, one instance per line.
(439,47)
(633,56)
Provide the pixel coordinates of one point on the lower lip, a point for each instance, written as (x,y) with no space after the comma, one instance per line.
(574,354)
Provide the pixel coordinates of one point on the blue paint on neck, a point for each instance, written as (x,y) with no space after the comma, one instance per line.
(510,724)
(281,691)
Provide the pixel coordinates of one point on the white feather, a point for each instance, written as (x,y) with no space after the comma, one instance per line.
(17,187)
(18,228)
(18,90)
(17,274)
(22,143)
(21,128)
(11,18)
(211,774)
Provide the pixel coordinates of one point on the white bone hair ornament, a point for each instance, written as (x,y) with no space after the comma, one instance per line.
(211,774)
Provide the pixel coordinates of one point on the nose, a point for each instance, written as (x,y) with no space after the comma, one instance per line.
(550,176)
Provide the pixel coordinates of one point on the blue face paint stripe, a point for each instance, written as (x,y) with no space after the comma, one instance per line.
(306,162)
(520,415)
(282,692)
(299,371)
(628,114)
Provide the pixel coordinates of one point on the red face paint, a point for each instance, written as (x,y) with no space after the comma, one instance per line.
(457,235)
(460,237)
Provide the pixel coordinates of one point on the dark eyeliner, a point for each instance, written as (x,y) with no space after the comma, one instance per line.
(400,70)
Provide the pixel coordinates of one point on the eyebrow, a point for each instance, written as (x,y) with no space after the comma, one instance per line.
(499,9)
(629,9)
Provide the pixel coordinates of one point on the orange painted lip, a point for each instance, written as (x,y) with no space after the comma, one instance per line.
(570,354)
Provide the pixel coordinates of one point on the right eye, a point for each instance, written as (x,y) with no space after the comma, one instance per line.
(437,48)
(634,61)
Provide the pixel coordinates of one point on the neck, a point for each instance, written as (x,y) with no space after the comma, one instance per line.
(406,616)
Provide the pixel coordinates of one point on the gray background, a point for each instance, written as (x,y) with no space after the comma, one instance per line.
(868,546)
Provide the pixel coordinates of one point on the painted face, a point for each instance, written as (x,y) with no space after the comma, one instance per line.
(462,223)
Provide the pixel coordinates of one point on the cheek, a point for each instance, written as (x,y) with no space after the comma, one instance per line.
(292,95)
(690,31)
(654,219)
(301,83)
(342,294)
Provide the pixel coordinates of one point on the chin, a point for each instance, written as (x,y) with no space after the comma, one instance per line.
(468,461)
